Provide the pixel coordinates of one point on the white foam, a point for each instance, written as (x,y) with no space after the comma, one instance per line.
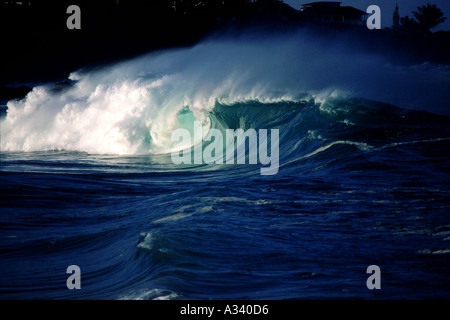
(429,251)
(146,241)
(172,218)
(132,107)
(150,294)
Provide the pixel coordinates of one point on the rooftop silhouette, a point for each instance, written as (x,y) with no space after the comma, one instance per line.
(39,47)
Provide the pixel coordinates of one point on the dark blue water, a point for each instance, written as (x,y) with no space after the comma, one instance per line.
(360,183)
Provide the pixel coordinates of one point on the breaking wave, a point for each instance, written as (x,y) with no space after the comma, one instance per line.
(293,82)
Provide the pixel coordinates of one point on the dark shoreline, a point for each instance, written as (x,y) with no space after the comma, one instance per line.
(39,48)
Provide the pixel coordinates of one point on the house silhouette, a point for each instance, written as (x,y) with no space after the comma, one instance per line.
(332,12)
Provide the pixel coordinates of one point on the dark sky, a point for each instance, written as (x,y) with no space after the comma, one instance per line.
(406,7)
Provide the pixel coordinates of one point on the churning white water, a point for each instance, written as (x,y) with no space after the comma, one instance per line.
(132,107)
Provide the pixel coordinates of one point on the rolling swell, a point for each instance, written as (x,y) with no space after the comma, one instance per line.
(337,123)
(355,176)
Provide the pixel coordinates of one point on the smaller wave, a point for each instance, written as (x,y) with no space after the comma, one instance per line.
(429,251)
(360,145)
(171,218)
(396,144)
(150,294)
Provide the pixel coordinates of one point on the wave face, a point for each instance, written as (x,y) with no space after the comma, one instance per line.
(363,179)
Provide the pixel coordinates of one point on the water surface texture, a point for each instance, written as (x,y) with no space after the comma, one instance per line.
(87,177)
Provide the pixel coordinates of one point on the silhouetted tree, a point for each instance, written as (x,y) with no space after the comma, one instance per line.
(396,17)
(429,16)
(409,24)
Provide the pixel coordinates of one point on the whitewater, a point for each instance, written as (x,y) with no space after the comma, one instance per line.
(87,176)
(133,107)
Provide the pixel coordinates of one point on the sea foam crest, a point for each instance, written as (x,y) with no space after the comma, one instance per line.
(132,107)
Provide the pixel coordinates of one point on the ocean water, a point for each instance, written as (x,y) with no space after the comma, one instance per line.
(87,177)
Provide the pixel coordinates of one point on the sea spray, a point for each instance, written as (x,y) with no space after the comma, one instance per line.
(133,107)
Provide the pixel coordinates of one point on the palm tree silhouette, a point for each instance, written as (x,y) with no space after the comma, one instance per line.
(429,16)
